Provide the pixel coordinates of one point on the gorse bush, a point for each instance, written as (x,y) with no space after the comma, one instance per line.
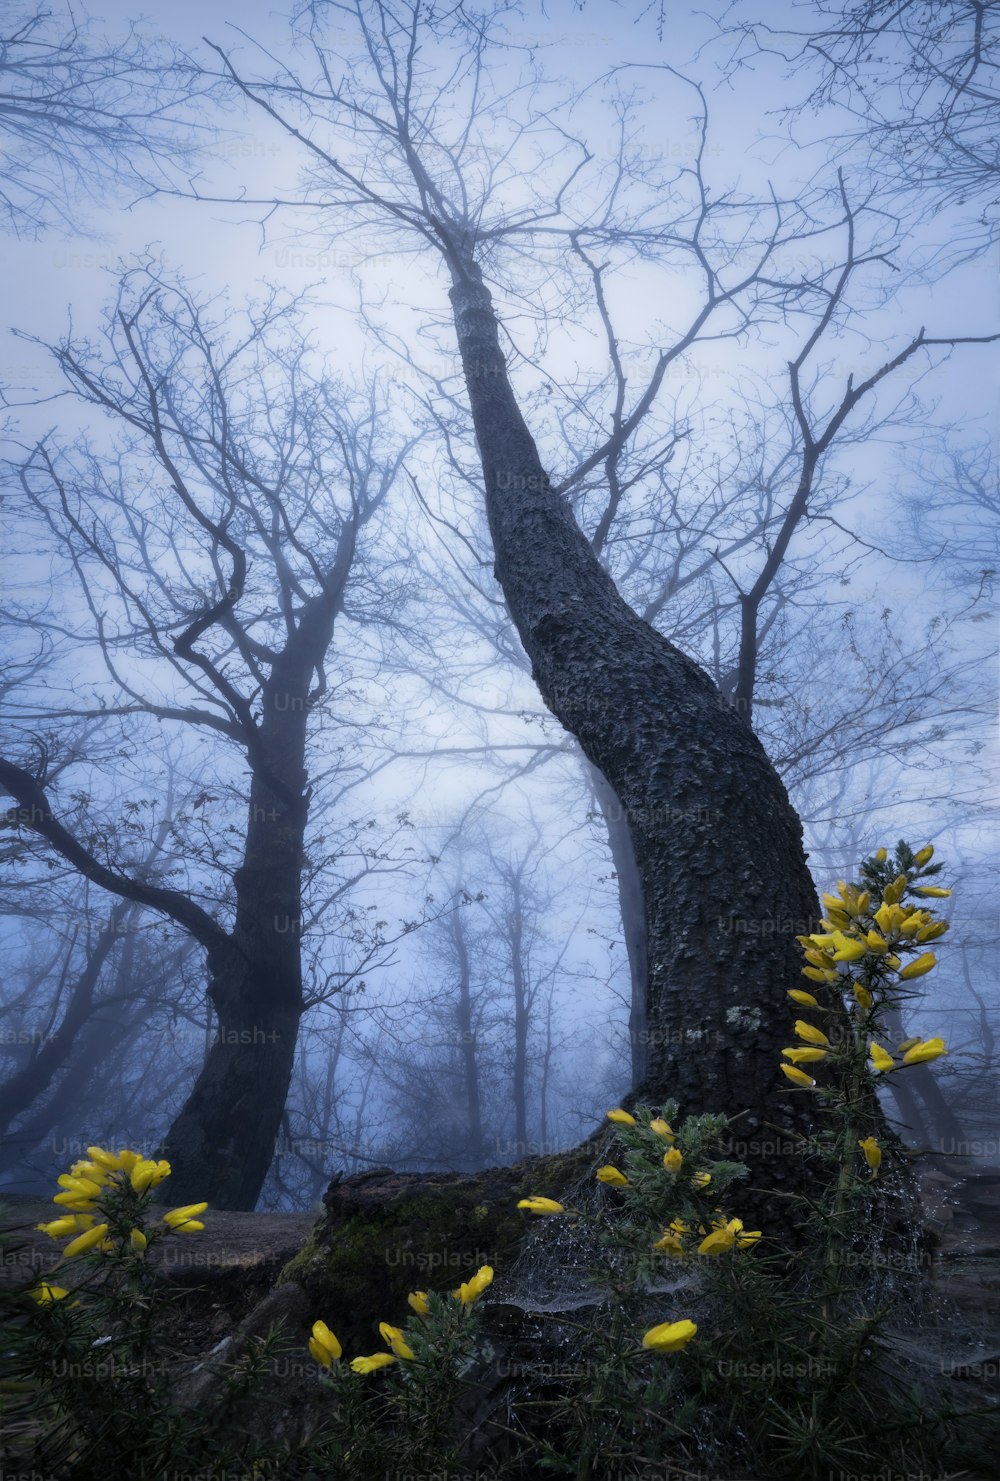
(705,1347)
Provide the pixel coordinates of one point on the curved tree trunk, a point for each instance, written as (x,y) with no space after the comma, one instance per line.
(718,847)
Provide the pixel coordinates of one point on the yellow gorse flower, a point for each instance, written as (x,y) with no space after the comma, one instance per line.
(804,999)
(810,1034)
(804,1056)
(45,1293)
(669,1244)
(921,965)
(541,1206)
(672,1160)
(184,1219)
(471,1290)
(669,1336)
(797,1077)
(882,1061)
(374,1363)
(873,1154)
(395,1339)
(417,1300)
(145,1174)
(924,1050)
(621,1118)
(662,1129)
(86,1241)
(611,1176)
(323,1344)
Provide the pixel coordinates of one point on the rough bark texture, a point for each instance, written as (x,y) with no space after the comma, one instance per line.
(632,913)
(221,1143)
(717,844)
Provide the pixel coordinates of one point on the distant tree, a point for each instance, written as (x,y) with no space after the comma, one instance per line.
(81,113)
(216,551)
(918,83)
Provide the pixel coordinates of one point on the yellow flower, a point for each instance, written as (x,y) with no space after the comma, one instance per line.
(612,1176)
(804,1056)
(672,1160)
(81,1187)
(176,1218)
(138,1240)
(719,1241)
(128,1159)
(90,1170)
(882,1061)
(662,1129)
(75,1201)
(747,1237)
(819,974)
(931,933)
(873,1154)
(863,996)
(893,893)
(924,856)
(45,1293)
(323,1344)
(418,1299)
(881,855)
(797,1077)
(372,1364)
(68,1224)
(669,1244)
(931,891)
(849,949)
(104,1159)
(621,1118)
(394,1337)
(146,1174)
(86,1240)
(669,1336)
(679,1227)
(809,1034)
(471,1290)
(702,1179)
(876,943)
(806,999)
(541,1206)
(922,964)
(922,1052)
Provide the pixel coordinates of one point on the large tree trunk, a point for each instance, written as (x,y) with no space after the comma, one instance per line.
(717,844)
(221,1144)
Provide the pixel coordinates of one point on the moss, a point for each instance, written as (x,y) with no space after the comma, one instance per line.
(385,1234)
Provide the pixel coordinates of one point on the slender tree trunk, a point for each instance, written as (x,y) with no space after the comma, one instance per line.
(467,1040)
(521,1019)
(718,847)
(34,1078)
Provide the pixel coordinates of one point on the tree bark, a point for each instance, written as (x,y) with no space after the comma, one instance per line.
(718,847)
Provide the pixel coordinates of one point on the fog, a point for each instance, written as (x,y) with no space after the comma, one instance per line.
(233,393)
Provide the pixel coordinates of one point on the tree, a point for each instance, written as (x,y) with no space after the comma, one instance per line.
(80,113)
(919,83)
(223,541)
(443,164)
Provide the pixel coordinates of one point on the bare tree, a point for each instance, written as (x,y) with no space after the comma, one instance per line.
(215,553)
(80,113)
(432,151)
(918,84)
